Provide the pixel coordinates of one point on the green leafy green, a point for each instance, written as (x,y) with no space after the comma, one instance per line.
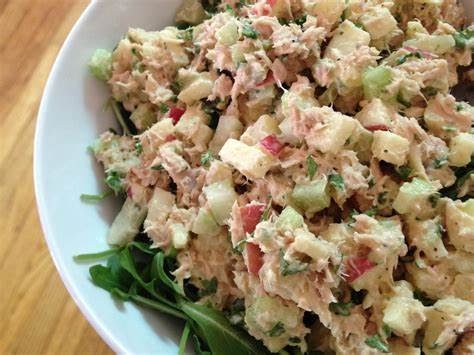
(163,108)
(337,181)
(118,116)
(142,275)
(221,336)
(184,339)
(387,330)
(312,166)
(96,256)
(376,342)
(95,198)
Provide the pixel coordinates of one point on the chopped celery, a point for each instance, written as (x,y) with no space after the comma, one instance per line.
(100,64)
(374,81)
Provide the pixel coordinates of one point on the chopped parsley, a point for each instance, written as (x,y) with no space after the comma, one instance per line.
(312,166)
(114,181)
(277,330)
(209,287)
(404,172)
(449,128)
(337,181)
(404,58)
(164,108)
(440,162)
(138,147)
(206,158)
(157,167)
(376,342)
(341,308)
(462,37)
(459,106)
(433,199)
(300,20)
(382,197)
(249,31)
(229,9)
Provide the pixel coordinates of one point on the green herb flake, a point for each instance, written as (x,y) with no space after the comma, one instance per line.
(294,340)
(277,330)
(239,247)
(404,172)
(209,287)
(404,58)
(440,162)
(229,9)
(249,31)
(95,198)
(461,38)
(287,268)
(138,147)
(311,166)
(382,197)
(337,181)
(301,20)
(157,167)
(372,212)
(163,108)
(206,158)
(341,308)
(114,181)
(401,99)
(376,342)
(387,330)
(433,199)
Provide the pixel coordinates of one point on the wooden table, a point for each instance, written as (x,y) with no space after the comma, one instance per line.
(37,315)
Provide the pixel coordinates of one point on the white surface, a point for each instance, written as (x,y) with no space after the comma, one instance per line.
(70,118)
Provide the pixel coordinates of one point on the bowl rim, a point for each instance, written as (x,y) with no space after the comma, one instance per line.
(38,176)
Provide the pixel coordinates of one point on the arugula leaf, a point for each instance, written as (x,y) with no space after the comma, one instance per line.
(210,287)
(376,342)
(119,117)
(292,268)
(103,277)
(221,336)
(312,166)
(277,330)
(95,198)
(337,181)
(197,347)
(184,339)
(96,256)
(341,308)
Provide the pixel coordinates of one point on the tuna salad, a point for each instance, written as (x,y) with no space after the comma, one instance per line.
(297,177)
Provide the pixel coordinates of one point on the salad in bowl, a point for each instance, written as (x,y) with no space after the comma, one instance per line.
(296,176)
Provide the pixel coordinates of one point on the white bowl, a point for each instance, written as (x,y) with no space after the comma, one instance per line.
(70,117)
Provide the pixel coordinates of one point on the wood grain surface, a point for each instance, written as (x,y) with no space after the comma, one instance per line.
(37,315)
